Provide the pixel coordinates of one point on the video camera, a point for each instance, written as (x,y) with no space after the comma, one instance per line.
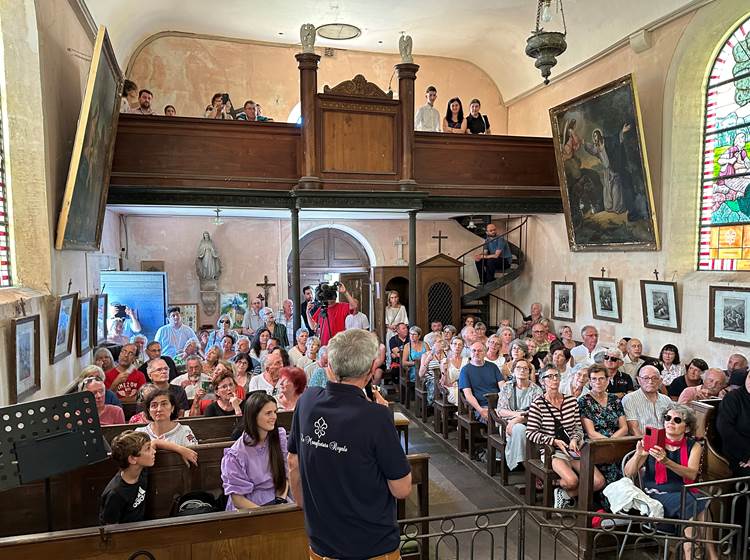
(326,292)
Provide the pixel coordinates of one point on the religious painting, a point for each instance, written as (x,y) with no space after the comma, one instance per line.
(100,334)
(84,320)
(728,319)
(605,299)
(564,301)
(190,315)
(24,373)
(235,305)
(62,335)
(603,170)
(79,226)
(661,308)
(152,266)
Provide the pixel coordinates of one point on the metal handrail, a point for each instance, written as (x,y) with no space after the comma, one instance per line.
(501,299)
(505,234)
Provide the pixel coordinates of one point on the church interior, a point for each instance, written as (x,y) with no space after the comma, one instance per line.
(105,195)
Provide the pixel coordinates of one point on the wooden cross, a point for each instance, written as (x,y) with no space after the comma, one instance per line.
(266,285)
(656,273)
(603,271)
(399,244)
(440,238)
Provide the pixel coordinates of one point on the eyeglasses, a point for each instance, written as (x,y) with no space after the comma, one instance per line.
(552,376)
(651,379)
(537,332)
(596,379)
(675,419)
(226,321)
(223,387)
(159,404)
(520,368)
(611,358)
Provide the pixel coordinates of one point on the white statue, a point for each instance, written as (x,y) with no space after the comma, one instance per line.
(307,37)
(207,263)
(404,47)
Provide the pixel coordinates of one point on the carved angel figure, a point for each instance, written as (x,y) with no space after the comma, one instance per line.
(207,263)
(404,47)
(307,37)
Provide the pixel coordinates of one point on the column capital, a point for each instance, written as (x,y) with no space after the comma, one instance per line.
(307,61)
(407,71)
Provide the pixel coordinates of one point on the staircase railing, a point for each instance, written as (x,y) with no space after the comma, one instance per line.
(498,309)
(516,236)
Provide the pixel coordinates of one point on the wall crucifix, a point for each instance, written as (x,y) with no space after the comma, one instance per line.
(440,238)
(266,285)
(399,244)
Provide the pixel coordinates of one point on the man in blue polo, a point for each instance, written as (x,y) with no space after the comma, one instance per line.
(477,378)
(347,467)
(495,256)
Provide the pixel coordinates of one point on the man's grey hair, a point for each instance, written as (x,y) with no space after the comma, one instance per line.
(351,353)
(584,328)
(322,351)
(243,338)
(264,311)
(152,364)
(741,357)
(716,370)
(193,358)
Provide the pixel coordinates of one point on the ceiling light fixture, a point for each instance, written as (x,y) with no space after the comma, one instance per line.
(217,220)
(545,46)
(338,31)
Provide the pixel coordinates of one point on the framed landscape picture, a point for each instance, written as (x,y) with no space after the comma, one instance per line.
(100,334)
(190,314)
(564,301)
(84,320)
(605,299)
(728,309)
(24,373)
(661,309)
(235,305)
(62,334)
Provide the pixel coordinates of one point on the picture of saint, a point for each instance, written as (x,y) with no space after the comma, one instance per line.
(734,315)
(660,306)
(605,298)
(563,304)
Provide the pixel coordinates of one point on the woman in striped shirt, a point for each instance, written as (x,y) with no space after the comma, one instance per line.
(555,420)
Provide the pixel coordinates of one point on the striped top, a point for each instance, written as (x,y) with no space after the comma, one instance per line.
(540,426)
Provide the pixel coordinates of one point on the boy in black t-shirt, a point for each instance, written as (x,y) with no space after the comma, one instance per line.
(124,498)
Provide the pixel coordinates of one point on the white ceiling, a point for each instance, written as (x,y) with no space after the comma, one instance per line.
(490,33)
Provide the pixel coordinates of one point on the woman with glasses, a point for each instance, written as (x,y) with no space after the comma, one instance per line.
(413,351)
(513,403)
(227,402)
(620,383)
(577,384)
(242,375)
(95,371)
(298,351)
(160,410)
(518,350)
(671,366)
(223,328)
(692,377)
(451,366)
(555,420)
(602,415)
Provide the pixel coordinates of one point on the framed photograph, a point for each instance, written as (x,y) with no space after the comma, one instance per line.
(99,336)
(62,334)
(661,309)
(603,170)
(24,373)
(605,299)
(190,314)
(84,320)
(152,266)
(235,305)
(564,301)
(728,320)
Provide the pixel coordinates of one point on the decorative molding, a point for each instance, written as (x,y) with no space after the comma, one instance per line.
(359,107)
(357,87)
(641,41)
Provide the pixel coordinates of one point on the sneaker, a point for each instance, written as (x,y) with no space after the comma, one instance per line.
(562,499)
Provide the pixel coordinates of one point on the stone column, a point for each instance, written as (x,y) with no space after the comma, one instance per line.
(407,74)
(295,269)
(413,267)
(308,85)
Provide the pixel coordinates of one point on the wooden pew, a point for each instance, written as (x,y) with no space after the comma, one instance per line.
(496,440)
(714,465)
(443,411)
(472,434)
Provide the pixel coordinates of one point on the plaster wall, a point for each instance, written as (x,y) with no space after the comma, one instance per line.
(185,71)
(669,79)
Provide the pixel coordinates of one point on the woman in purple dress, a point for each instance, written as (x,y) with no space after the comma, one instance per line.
(254,470)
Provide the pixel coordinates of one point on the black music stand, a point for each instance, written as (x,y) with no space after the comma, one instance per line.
(45,438)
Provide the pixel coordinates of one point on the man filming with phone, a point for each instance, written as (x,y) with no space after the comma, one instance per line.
(328,316)
(220,107)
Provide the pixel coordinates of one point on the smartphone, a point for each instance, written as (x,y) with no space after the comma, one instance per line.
(574,454)
(206,386)
(654,437)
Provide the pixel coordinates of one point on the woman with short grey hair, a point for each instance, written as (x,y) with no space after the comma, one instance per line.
(518,350)
(298,351)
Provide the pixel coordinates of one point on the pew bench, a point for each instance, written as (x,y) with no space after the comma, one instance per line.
(443,411)
(496,441)
(471,432)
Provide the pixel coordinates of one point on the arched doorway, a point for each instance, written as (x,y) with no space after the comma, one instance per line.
(332,254)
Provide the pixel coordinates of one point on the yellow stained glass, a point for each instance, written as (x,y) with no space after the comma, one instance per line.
(730,236)
(713,253)
(743,264)
(730,253)
(714,237)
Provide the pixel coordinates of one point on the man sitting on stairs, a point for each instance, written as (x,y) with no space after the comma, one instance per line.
(495,255)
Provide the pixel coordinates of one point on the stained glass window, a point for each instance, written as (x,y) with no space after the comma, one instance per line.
(5,277)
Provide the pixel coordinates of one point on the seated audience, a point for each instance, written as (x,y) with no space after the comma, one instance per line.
(566,337)
(507,335)
(733,424)
(144,103)
(533,354)
(619,382)
(411,355)
(670,364)
(123,500)
(476,122)
(693,377)
(493,351)
(227,401)
(468,334)
(539,336)
(602,416)
(645,406)
(158,372)
(518,349)
(191,380)
(140,341)
(203,335)
(103,358)
(513,403)
(534,318)
(254,470)
(357,320)
(298,351)
(632,360)
(477,378)
(192,348)
(124,379)
(559,359)
(737,370)
(95,371)
(292,382)
(259,347)
(480,332)
(153,351)
(555,420)
(205,394)
(578,382)
(669,468)
(251,322)
(427,118)
(451,367)
(223,328)
(589,346)
(220,107)
(129,96)
(242,374)
(318,377)
(170,111)
(268,381)
(117,333)
(429,367)
(161,411)
(250,113)
(454,121)
(108,413)
(436,332)
(227,347)
(307,361)
(243,345)
(714,386)
(213,356)
(174,335)
(449,331)
(140,416)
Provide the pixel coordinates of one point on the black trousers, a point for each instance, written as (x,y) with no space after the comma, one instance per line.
(486,268)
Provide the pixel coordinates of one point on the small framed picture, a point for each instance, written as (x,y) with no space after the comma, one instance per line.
(152,266)
(661,309)
(99,336)
(24,373)
(728,315)
(83,325)
(605,299)
(62,334)
(564,301)
(190,314)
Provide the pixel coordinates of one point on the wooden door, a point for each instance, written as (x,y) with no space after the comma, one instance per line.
(358,284)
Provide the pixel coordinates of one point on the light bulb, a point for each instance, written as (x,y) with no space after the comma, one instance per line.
(547,12)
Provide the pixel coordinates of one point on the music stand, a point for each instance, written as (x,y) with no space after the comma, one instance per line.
(45,438)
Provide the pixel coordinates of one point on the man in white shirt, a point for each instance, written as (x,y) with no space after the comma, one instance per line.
(427,118)
(589,346)
(268,381)
(357,321)
(646,406)
(633,360)
(174,335)
(252,321)
(436,331)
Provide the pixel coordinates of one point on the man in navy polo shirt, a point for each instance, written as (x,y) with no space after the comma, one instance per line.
(346,463)
(477,378)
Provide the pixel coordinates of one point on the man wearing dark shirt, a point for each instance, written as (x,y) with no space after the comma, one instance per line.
(347,467)
(733,423)
(477,378)
(396,347)
(495,256)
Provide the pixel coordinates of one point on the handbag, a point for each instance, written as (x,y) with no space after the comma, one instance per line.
(560,432)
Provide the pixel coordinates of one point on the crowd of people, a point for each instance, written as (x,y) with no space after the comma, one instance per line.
(454,121)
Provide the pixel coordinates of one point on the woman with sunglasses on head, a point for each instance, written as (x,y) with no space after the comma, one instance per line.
(163,429)
(254,470)
(223,328)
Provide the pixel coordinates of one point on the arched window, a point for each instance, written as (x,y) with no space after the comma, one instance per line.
(724,242)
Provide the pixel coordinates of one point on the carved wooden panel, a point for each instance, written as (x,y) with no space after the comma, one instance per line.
(332,250)
(358,87)
(359,143)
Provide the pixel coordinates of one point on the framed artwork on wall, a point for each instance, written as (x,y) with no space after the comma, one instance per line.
(99,336)
(152,266)
(83,322)
(24,373)
(605,299)
(235,305)
(62,334)
(661,309)
(564,301)
(728,320)
(603,170)
(190,314)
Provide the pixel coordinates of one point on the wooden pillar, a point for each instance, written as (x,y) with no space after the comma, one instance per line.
(413,267)
(407,74)
(308,86)
(295,269)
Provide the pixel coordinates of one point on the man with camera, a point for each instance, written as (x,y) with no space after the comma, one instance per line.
(132,325)
(328,316)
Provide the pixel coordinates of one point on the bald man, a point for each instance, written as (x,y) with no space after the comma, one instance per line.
(646,406)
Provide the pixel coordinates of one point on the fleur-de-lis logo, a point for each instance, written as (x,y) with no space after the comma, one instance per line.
(320,427)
